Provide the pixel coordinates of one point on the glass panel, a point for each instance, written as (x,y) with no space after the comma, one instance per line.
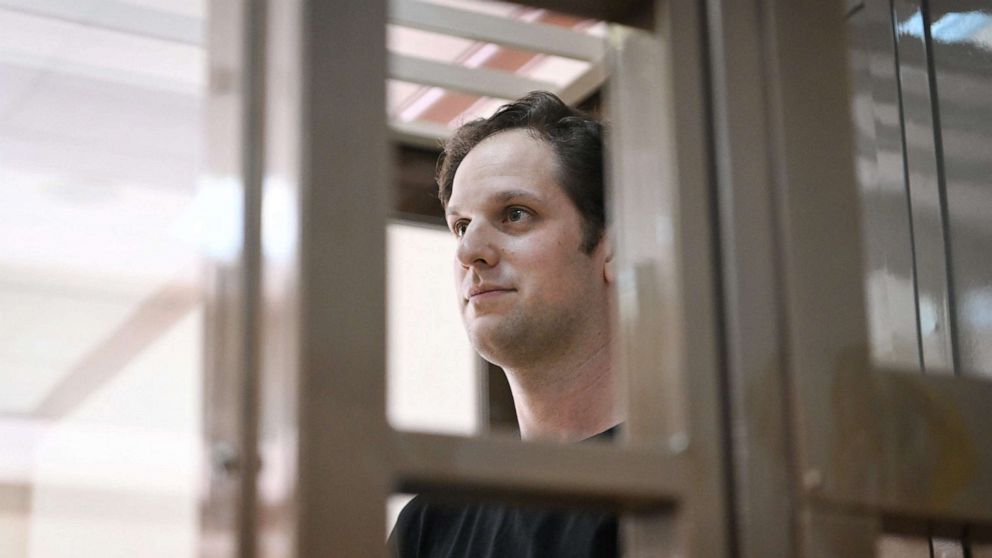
(922,155)
(101,321)
(890,278)
(962,57)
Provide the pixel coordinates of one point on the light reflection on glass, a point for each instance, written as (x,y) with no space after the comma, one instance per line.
(974,27)
(214,219)
(101,322)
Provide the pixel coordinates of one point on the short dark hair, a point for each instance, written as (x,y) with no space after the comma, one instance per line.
(576,138)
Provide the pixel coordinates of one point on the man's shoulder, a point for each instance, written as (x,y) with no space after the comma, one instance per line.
(428,528)
(421,510)
(424,524)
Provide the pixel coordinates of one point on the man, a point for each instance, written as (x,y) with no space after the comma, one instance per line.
(523,194)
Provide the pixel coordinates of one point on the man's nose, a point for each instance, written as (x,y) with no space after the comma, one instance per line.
(477,246)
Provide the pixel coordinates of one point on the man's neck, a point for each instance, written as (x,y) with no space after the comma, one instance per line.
(568,400)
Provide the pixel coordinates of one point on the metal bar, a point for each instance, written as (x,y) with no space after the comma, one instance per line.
(763,480)
(324,435)
(484,82)
(253,44)
(482,397)
(537,37)
(681,26)
(818,218)
(221,514)
(643,199)
(661,203)
(279,480)
(928,439)
(829,533)
(344,186)
(478,81)
(651,536)
(419,133)
(503,467)
(581,87)
(431,135)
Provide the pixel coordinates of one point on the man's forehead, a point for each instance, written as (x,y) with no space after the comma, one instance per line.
(510,164)
(506,152)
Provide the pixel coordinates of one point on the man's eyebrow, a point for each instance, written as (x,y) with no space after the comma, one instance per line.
(516,194)
(499,197)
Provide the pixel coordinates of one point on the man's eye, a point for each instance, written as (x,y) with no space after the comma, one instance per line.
(515,214)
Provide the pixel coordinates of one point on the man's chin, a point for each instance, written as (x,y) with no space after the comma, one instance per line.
(491,335)
(484,326)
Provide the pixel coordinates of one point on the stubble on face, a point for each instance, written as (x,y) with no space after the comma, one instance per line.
(522,337)
(557,300)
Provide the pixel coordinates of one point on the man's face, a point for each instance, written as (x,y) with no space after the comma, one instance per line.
(525,287)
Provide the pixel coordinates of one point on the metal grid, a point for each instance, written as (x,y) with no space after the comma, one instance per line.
(733,149)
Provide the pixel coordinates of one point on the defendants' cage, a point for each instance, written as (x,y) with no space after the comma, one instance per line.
(757,426)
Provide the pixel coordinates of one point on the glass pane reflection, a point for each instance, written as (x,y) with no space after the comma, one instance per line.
(101,321)
(962,59)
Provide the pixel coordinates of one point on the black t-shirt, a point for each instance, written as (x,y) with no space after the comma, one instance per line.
(428,529)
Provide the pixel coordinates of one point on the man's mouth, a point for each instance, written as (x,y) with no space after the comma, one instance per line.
(487,292)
